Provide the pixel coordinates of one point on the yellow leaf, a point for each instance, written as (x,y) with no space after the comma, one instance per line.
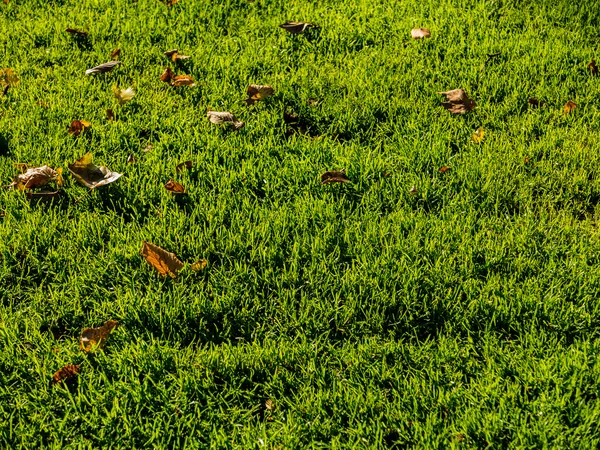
(165,262)
(96,337)
(123,95)
(478,135)
(199,265)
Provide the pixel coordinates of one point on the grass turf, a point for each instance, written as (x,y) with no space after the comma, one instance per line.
(464,315)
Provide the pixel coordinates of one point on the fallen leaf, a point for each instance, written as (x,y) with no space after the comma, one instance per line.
(90,175)
(8,78)
(115,53)
(34,177)
(592,67)
(184,165)
(66,375)
(257,92)
(78,126)
(569,106)
(334,176)
(269,405)
(95,338)
(174,187)
(444,169)
(182,80)
(420,33)
(199,265)
(130,159)
(167,75)
(102,68)
(77,32)
(224,117)
(478,135)
(110,115)
(165,262)
(527,160)
(413,190)
(458,101)
(533,102)
(147,149)
(296,27)
(123,95)
(175,56)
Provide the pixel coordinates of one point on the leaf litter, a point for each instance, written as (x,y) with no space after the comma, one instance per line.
(90,175)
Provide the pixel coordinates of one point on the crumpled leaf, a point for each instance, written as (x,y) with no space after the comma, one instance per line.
(123,95)
(174,187)
(334,176)
(296,27)
(78,126)
(165,262)
(90,175)
(478,135)
(175,55)
(167,75)
(444,169)
(257,92)
(224,117)
(102,68)
(95,338)
(34,177)
(570,106)
(176,80)
(66,375)
(458,101)
(199,265)
(8,78)
(420,33)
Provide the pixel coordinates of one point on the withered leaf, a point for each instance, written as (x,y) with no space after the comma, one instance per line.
(182,80)
(34,177)
(77,32)
(296,27)
(167,75)
(96,337)
(78,126)
(413,190)
(257,92)
(570,106)
(110,115)
(169,2)
(592,67)
(420,33)
(458,101)
(90,175)
(478,135)
(174,187)
(66,375)
(224,117)
(269,405)
(147,149)
(115,53)
(184,165)
(199,265)
(102,68)
(123,95)
(175,56)
(130,159)
(165,262)
(334,176)
(444,169)
(8,77)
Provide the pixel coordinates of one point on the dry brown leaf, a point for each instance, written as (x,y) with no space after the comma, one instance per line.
(78,126)
(296,27)
(184,165)
(458,101)
(115,53)
(570,106)
(66,375)
(199,265)
(175,56)
(95,338)
(110,115)
(34,177)
(269,405)
(413,190)
(534,102)
(5,90)
(167,75)
(182,80)
(8,78)
(165,262)
(224,117)
(102,68)
(90,175)
(147,149)
(77,32)
(123,95)
(444,169)
(592,67)
(257,92)
(334,176)
(420,33)
(169,3)
(130,158)
(174,187)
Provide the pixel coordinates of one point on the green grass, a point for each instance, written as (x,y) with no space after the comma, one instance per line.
(463,316)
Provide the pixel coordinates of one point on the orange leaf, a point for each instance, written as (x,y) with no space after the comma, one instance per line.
(167,75)
(165,262)
(174,187)
(199,265)
(96,337)
(257,92)
(115,53)
(78,126)
(570,106)
(182,80)
(420,33)
(444,169)
(65,375)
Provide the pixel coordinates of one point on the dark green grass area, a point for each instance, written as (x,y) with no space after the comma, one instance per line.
(463,316)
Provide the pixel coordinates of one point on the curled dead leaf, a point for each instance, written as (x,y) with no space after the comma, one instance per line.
(184,165)
(570,106)
(174,187)
(8,78)
(182,80)
(257,92)
(34,177)
(66,375)
(123,95)
(458,101)
(167,75)
(224,117)
(420,33)
(130,159)
(95,338)
(334,176)
(296,27)
(175,56)
(90,175)
(165,262)
(78,126)
(103,68)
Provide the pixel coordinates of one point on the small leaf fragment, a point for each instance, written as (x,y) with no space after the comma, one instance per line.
(182,80)
(115,53)
(184,165)
(174,187)
(66,375)
(224,117)
(8,78)
(478,135)
(166,263)
(123,95)
(592,67)
(147,149)
(258,92)
(269,405)
(199,265)
(95,338)
(413,190)
(296,27)
(130,159)
(167,75)
(90,175)
(444,169)
(458,101)
(103,68)
(569,106)
(76,32)
(420,33)
(334,176)
(78,126)
(175,56)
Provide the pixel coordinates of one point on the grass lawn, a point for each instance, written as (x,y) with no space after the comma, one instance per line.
(461,313)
